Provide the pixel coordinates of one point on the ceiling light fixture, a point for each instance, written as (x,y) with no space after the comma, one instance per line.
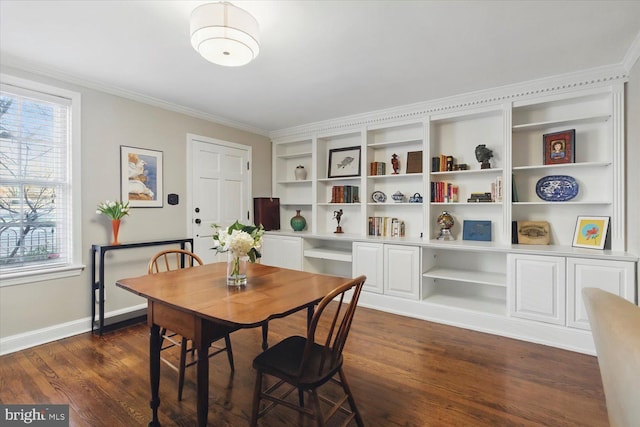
(224,34)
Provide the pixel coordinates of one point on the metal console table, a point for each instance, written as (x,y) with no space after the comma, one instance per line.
(99,283)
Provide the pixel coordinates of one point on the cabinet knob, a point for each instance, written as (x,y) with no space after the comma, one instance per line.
(198,220)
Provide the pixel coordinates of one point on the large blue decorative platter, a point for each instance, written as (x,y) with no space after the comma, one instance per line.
(557,188)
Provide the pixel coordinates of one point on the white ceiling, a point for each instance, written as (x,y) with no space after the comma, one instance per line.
(318,59)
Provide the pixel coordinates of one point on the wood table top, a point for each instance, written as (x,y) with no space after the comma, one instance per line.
(271,292)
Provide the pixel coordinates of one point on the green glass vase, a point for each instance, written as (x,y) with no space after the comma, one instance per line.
(298,223)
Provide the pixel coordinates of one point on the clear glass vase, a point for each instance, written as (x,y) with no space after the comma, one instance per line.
(237,270)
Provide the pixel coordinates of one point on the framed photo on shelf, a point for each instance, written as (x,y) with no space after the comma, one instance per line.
(344,162)
(591,232)
(414,162)
(559,147)
(141,177)
(476,230)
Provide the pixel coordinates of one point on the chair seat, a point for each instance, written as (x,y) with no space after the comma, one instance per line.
(283,361)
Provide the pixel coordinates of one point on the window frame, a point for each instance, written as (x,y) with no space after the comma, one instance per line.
(75,267)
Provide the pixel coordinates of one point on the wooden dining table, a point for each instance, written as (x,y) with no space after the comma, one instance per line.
(195,302)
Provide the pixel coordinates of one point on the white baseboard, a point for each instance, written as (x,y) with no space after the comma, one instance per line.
(29,339)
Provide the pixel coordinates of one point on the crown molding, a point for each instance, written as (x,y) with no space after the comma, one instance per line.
(632,55)
(43,70)
(592,78)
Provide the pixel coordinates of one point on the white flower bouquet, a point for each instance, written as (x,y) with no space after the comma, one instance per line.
(240,240)
(114,210)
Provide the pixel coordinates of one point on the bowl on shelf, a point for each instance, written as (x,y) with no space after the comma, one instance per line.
(398,197)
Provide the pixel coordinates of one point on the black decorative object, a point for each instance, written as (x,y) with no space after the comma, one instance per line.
(483,154)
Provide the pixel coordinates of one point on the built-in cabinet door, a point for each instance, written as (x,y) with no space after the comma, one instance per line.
(616,277)
(368,259)
(402,272)
(536,287)
(282,251)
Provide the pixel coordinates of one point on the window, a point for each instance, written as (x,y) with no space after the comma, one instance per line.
(39,182)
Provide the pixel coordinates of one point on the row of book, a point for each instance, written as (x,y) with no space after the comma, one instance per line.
(443,192)
(345,194)
(377,168)
(385,226)
(442,163)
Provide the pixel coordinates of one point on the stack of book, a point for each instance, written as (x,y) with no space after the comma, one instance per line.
(345,194)
(497,189)
(443,163)
(385,226)
(377,168)
(480,198)
(443,192)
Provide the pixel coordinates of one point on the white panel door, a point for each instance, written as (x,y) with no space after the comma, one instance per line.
(368,259)
(402,271)
(220,182)
(282,251)
(536,286)
(616,277)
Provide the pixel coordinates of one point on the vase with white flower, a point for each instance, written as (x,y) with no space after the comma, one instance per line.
(115,211)
(242,244)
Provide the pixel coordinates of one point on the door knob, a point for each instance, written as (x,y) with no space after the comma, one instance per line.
(198,220)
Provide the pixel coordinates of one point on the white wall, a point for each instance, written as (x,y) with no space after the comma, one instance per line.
(109,121)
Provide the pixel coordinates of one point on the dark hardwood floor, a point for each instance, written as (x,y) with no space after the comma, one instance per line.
(403,372)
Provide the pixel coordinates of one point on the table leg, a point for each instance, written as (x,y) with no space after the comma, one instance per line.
(202,367)
(265,334)
(154,372)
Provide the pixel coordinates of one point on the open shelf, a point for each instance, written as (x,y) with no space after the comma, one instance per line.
(480,277)
(329,253)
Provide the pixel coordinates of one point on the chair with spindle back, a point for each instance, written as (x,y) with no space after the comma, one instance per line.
(174,259)
(306,363)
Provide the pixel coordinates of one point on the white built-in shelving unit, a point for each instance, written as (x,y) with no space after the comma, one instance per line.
(468,283)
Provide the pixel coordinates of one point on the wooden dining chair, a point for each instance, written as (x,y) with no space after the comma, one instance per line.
(615,325)
(307,363)
(169,260)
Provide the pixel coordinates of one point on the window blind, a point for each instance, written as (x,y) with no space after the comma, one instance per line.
(35,180)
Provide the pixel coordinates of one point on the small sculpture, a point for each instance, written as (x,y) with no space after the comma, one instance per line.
(445,221)
(483,154)
(395,163)
(338,215)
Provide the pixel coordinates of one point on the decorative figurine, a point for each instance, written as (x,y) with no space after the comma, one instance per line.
(483,154)
(395,163)
(445,221)
(338,215)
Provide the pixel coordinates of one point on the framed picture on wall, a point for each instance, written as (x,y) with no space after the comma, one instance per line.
(141,177)
(344,162)
(559,147)
(591,232)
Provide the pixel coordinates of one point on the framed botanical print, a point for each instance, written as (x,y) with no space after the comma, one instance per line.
(591,232)
(141,177)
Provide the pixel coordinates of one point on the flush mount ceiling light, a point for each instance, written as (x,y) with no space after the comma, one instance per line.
(224,34)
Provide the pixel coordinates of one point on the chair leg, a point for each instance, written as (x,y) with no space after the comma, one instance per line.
(257,390)
(301,397)
(352,401)
(183,363)
(315,404)
(227,343)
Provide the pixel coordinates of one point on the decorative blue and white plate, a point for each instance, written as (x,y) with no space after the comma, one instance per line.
(379,197)
(557,188)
